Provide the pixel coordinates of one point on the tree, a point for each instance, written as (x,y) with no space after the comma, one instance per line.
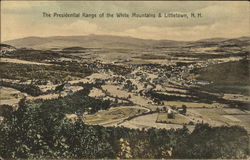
(184,107)
(129,96)
(164,109)
(116,100)
(157,109)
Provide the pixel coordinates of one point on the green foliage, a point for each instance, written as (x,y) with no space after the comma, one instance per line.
(78,102)
(30,89)
(53,73)
(214,142)
(33,55)
(39,129)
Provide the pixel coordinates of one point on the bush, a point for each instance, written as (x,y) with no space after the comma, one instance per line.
(26,88)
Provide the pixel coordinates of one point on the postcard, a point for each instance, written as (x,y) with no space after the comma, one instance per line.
(125,80)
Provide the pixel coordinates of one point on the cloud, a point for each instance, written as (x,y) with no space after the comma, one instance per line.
(227,30)
(227,19)
(13,29)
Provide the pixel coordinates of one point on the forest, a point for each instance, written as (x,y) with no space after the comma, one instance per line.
(40,129)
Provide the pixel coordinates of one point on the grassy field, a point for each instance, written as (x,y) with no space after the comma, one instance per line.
(214,115)
(138,61)
(10,93)
(179,119)
(9,96)
(218,116)
(193,104)
(112,115)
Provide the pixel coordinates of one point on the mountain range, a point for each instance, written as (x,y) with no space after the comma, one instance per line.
(106,41)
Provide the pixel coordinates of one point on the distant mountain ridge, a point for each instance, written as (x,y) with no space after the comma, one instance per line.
(102,41)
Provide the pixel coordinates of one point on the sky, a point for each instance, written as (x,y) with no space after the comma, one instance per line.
(219,19)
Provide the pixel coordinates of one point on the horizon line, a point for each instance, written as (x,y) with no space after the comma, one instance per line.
(122,36)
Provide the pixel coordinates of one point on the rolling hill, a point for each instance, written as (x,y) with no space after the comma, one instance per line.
(229,77)
(90,41)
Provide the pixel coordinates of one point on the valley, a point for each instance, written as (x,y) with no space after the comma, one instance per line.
(114,97)
(206,78)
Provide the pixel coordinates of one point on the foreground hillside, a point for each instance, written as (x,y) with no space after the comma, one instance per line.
(40,130)
(229,77)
